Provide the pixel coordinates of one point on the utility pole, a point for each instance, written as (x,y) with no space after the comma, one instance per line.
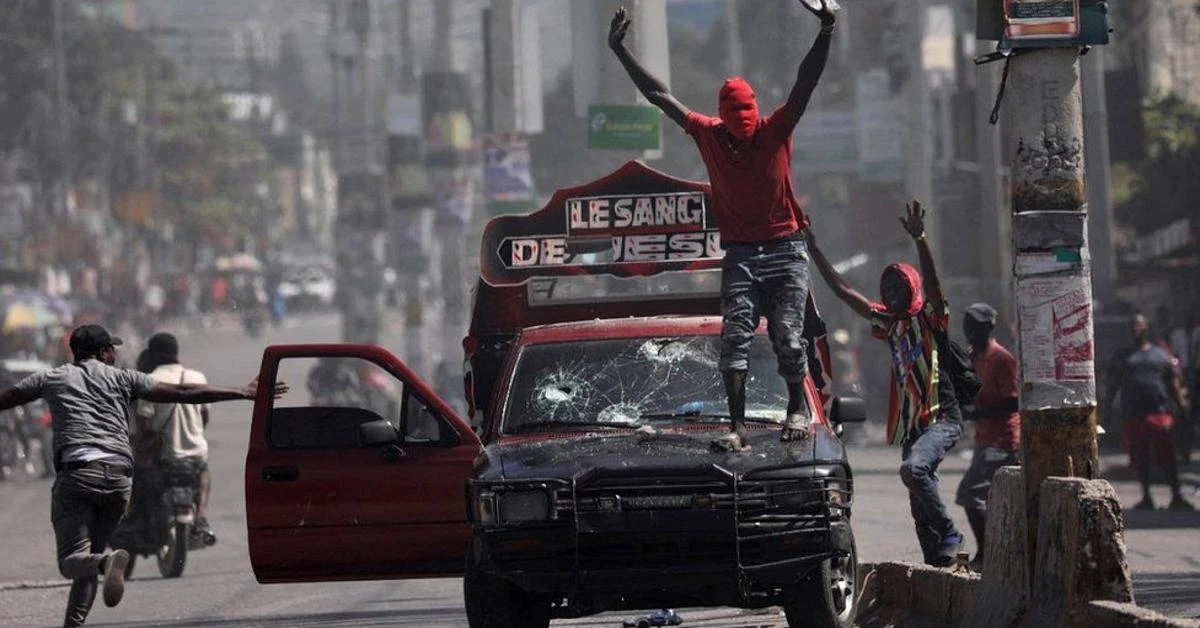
(61,111)
(1053,273)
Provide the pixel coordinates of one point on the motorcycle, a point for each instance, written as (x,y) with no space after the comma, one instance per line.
(162,518)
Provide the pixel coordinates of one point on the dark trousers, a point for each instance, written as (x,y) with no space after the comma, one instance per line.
(86,505)
(922,456)
(771,280)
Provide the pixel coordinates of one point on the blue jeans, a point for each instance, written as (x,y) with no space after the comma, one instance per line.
(769,279)
(922,456)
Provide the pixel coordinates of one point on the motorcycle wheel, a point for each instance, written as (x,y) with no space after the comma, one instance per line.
(172,556)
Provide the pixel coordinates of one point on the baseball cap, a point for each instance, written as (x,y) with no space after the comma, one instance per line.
(90,339)
(982,312)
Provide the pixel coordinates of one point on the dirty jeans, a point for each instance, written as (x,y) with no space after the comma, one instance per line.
(922,456)
(768,279)
(86,505)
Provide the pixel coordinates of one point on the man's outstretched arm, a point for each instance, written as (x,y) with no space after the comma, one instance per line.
(813,65)
(650,86)
(205,393)
(837,283)
(14,397)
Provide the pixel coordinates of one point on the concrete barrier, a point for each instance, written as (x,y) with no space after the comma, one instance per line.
(1080,552)
(1080,577)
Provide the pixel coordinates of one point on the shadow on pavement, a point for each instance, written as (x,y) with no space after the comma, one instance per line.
(1172,594)
(360,618)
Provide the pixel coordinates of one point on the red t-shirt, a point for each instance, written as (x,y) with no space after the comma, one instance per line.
(751,187)
(997,370)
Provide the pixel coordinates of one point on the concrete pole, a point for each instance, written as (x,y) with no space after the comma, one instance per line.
(1054,292)
(62,125)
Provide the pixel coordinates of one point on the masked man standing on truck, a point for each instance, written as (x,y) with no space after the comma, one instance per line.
(765,270)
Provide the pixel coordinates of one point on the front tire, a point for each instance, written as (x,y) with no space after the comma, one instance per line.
(827,597)
(497,603)
(172,556)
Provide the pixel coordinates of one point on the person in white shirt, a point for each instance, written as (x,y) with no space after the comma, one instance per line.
(181,425)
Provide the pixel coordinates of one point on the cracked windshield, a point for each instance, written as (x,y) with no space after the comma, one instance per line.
(636,381)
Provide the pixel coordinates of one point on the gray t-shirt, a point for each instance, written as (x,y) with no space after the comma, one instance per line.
(88,403)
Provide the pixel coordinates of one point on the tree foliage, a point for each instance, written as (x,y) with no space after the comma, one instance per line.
(1165,186)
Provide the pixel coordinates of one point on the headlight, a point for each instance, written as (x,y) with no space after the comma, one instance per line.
(485,508)
(839,491)
(793,495)
(523,506)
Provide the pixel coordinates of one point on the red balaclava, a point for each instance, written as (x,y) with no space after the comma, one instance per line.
(738,107)
(915,286)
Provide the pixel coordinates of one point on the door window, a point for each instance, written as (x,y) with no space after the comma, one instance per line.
(330,397)
(423,424)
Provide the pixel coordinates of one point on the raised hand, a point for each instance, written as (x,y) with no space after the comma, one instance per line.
(914,220)
(618,28)
(824,9)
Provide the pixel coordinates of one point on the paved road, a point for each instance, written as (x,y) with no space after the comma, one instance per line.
(218,588)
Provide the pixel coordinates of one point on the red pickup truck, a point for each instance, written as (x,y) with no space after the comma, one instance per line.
(582,481)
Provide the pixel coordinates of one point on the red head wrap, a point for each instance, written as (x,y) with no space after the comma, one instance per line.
(738,107)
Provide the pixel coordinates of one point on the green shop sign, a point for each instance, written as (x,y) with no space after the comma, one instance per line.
(624,127)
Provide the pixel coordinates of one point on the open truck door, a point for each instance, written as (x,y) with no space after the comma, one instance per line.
(357,473)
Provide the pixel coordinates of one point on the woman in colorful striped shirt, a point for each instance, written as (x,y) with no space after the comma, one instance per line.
(923,417)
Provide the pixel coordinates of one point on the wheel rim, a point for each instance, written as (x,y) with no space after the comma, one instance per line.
(841,585)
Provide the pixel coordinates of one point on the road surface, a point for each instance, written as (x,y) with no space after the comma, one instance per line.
(218,588)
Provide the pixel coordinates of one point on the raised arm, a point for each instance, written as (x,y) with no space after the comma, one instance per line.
(205,393)
(650,86)
(914,224)
(837,283)
(813,65)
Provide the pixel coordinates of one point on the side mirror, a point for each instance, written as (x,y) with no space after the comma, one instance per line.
(848,410)
(376,433)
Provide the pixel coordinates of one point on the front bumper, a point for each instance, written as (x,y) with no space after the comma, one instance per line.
(614,536)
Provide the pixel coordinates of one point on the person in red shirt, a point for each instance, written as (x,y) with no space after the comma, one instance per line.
(997,422)
(765,268)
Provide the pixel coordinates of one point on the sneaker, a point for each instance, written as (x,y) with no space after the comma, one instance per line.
(948,551)
(1146,504)
(114,577)
(1180,504)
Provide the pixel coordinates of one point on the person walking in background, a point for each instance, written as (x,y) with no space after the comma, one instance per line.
(924,417)
(765,268)
(89,402)
(1145,382)
(997,421)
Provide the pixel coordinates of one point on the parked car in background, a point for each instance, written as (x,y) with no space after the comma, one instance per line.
(310,286)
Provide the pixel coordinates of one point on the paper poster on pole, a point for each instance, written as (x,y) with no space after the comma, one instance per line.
(1056,329)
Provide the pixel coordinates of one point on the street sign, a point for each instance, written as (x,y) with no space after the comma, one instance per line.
(1043,23)
(624,127)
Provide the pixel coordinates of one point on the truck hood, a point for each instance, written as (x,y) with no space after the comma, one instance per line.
(565,456)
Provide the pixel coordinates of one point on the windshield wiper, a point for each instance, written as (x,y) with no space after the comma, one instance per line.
(697,416)
(556,425)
